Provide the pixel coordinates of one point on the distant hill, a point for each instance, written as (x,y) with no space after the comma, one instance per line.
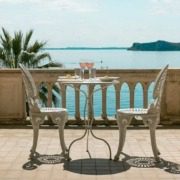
(155,46)
(86,48)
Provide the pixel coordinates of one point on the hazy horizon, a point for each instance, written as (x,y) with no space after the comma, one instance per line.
(104,23)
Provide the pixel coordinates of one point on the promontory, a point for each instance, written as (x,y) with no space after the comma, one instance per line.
(159,45)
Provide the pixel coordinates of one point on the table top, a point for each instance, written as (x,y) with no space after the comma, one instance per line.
(98,80)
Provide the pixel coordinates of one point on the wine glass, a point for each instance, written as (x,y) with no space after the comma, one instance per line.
(83,66)
(90,65)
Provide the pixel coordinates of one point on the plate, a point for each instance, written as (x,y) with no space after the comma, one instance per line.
(68,76)
(108,79)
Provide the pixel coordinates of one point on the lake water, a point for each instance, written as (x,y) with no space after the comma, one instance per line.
(114,59)
(117,58)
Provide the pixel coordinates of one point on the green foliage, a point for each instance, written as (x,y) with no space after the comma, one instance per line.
(17,49)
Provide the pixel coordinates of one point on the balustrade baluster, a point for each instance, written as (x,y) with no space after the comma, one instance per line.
(117,92)
(145,95)
(63,91)
(131,88)
(104,102)
(77,102)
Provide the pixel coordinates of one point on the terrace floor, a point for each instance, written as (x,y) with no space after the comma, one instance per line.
(136,164)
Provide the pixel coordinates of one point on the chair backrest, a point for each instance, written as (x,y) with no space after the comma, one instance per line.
(158,90)
(30,89)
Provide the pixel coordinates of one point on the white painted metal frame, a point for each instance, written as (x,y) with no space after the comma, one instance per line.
(38,114)
(150,116)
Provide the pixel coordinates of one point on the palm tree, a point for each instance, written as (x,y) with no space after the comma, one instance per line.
(17,49)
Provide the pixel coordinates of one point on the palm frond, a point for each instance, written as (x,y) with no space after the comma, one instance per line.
(43,93)
(17,43)
(4,59)
(2,55)
(36,47)
(26,58)
(16,47)
(6,40)
(27,39)
(6,35)
(38,58)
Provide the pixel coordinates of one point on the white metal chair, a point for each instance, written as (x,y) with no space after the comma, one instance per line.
(150,116)
(38,114)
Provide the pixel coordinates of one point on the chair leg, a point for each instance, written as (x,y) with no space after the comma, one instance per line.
(122,124)
(122,135)
(153,142)
(61,120)
(35,125)
(62,142)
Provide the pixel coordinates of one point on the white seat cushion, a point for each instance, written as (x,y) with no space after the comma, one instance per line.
(51,109)
(133,111)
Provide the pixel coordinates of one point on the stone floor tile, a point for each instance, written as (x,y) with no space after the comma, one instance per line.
(15,145)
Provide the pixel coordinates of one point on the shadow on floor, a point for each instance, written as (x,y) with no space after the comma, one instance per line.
(149,162)
(100,166)
(43,159)
(105,166)
(96,166)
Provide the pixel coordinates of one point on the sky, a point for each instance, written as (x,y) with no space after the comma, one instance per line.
(93,23)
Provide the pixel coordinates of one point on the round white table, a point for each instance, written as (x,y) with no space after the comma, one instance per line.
(72,82)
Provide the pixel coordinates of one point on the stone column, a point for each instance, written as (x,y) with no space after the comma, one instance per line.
(131,89)
(117,91)
(77,102)
(63,92)
(145,95)
(104,102)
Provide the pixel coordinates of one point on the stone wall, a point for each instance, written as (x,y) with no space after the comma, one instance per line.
(12,96)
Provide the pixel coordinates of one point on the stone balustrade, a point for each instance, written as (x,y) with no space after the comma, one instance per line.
(13,104)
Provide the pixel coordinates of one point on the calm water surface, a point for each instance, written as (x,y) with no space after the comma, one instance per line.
(114,59)
(117,58)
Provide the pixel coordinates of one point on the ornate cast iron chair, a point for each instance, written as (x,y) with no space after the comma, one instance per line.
(38,114)
(150,116)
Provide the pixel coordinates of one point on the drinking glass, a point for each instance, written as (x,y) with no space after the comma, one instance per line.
(93,73)
(83,66)
(77,73)
(90,65)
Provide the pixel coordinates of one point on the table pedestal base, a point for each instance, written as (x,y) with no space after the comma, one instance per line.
(87,131)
